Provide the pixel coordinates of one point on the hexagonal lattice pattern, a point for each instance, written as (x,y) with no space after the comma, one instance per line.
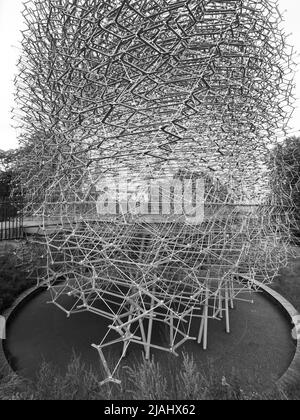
(202,86)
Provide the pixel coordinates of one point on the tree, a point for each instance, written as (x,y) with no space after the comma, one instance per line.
(6,172)
(286,180)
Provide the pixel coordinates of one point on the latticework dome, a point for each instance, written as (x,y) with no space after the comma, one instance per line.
(177,93)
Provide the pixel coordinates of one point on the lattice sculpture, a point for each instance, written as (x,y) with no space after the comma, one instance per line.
(167,93)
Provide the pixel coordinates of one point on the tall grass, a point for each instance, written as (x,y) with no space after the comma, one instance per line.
(147,380)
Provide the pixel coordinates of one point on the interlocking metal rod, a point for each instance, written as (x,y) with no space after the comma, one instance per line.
(159,89)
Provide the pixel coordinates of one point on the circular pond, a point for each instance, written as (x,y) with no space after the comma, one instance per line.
(258,350)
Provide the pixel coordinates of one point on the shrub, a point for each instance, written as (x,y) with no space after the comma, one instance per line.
(13,280)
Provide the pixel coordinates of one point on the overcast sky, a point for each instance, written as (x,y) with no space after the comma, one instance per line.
(11,23)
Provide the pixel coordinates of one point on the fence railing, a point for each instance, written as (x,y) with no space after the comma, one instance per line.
(11,219)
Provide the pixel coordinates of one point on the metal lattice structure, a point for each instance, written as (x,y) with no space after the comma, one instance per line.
(143,87)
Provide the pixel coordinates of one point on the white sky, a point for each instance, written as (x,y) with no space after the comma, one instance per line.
(11,23)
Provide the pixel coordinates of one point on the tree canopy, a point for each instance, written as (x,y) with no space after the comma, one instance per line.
(286,180)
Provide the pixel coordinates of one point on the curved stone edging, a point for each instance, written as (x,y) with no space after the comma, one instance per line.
(290,378)
(7,314)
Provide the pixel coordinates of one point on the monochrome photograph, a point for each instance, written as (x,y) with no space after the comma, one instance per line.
(149,203)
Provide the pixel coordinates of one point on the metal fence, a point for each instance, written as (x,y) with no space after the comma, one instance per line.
(11,219)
